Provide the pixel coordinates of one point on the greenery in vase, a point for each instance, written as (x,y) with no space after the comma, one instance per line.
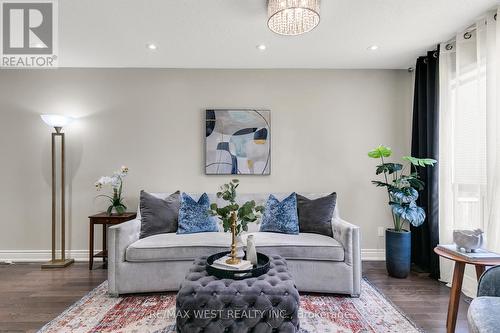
(116,182)
(402,189)
(246,213)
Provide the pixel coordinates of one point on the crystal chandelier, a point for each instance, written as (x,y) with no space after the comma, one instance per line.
(292,17)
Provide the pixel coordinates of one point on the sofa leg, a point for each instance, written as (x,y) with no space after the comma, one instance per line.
(113,295)
(354,295)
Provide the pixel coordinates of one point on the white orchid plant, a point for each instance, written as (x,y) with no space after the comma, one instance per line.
(116,183)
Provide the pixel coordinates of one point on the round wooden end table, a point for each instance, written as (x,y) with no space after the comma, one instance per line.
(456,284)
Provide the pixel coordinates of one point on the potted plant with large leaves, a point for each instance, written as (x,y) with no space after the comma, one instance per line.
(234,217)
(402,191)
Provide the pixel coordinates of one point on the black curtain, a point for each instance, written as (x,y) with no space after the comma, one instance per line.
(425,143)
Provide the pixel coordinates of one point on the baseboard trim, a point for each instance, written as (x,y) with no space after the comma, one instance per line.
(40,255)
(83,255)
(373,254)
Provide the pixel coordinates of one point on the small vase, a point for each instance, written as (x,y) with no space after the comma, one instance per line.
(239,248)
(251,250)
(114,211)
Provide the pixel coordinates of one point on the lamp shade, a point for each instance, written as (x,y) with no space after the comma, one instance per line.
(56,120)
(292,17)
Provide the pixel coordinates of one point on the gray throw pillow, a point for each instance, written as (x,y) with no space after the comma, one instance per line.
(315,216)
(159,216)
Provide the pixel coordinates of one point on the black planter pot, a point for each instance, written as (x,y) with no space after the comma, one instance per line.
(398,253)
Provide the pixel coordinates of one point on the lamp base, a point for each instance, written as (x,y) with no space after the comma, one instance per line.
(58,263)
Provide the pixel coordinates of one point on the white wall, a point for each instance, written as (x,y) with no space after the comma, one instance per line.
(323,124)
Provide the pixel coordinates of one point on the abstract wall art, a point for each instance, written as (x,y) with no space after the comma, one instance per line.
(238,142)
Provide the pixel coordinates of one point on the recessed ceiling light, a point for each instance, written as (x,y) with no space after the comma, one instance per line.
(261,47)
(373,47)
(151,46)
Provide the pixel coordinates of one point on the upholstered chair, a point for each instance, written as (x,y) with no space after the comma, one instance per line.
(484,311)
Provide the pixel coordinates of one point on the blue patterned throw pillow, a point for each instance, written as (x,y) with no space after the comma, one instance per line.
(281,216)
(194,217)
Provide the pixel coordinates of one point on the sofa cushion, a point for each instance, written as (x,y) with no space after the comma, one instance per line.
(483,315)
(194,216)
(159,216)
(171,247)
(280,216)
(304,246)
(315,215)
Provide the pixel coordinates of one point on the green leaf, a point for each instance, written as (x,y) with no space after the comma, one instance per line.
(213,206)
(389,167)
(422,162)
(380,151)
(109,210)
(380,184)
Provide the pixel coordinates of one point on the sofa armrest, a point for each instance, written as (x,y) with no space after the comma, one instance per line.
(119,238)
(348,235)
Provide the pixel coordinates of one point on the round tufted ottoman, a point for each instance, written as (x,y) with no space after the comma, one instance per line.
(268,303)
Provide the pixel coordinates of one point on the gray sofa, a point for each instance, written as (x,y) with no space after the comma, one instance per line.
(159,263)
(484,310)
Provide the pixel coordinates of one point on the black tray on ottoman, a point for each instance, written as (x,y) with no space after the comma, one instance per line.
(268,303)
(261,268)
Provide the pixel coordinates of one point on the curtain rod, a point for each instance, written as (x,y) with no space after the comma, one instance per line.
(449,46)
(467,34)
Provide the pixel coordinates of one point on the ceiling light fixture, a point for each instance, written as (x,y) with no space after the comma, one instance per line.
(261,47)
(292,17)
(373,48)
(151,46)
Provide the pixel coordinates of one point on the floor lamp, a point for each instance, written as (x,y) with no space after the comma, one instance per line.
(58,122)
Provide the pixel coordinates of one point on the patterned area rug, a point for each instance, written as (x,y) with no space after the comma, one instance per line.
(97,312)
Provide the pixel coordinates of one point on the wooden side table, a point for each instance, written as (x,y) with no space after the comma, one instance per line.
(104,219)
(456,284)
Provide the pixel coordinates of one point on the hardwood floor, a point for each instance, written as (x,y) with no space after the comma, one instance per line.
(424,300)
(30,297)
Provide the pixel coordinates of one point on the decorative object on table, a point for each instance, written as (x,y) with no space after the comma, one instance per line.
(251,253)
(281,216)
(58,122)
(159,215)
(221,263)
(235,218)
(116,181)
(105,220)
(272,293)
(402,192)
(458,276)
(237,141)
(292,17)
(468,240)
(100,312)
(194,215)
(315,216)
(477,255)
(240,252)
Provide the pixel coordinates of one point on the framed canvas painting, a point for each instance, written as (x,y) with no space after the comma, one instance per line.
(238,142)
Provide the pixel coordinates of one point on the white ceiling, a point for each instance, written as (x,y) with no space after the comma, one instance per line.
(224,33)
